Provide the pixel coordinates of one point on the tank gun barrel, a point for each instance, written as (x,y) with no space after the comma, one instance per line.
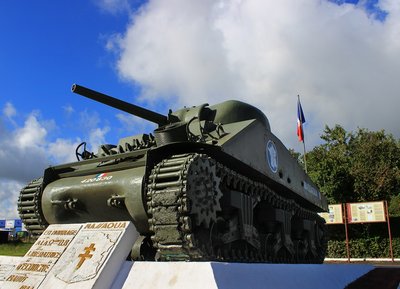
(121,105)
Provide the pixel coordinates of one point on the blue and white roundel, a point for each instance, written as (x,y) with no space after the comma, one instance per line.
(272,156)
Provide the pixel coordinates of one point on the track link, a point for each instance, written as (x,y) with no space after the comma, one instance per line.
(183,199)
(29,207)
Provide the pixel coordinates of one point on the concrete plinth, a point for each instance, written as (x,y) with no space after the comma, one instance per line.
(222,275)
(235,275)
(92,255)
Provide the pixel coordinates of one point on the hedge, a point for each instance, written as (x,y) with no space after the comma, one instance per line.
(369,240)
(376,247)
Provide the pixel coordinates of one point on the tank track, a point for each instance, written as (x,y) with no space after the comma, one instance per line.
(185,219)
(29,207)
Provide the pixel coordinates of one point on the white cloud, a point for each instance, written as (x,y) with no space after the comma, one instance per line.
(342,62)
(63,150)
(9,192)
(113,6)
(177,52)
(9,110)
(32,134)
(22,151)
(134,124)
(97,137)
(68,109)
(89,120)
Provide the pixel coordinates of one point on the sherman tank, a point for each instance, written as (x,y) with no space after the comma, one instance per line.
(209,183)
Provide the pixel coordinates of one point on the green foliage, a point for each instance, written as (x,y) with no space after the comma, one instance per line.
(14,248)
(328,164)
(375,165)
(376,247)
(355,167)
(394,206)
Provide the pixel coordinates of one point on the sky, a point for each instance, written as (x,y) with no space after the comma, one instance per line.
(342,58)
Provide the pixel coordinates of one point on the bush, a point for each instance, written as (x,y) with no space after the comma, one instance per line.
(368,240)
(375,247)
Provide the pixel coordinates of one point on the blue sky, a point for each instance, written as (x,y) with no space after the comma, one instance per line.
(341,56)
(48,46)
(371,7)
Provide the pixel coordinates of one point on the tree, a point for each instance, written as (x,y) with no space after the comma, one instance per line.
(375,165)
(394,206)
(353,167)
(328,165)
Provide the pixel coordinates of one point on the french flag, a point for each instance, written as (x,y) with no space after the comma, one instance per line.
(300,121)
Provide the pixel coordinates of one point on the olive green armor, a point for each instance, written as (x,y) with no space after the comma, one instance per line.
(210,183)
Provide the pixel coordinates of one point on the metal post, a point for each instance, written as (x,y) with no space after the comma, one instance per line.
(390,232)
(347,233)
(304,149)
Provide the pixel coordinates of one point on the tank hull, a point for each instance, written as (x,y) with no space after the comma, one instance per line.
(192,202)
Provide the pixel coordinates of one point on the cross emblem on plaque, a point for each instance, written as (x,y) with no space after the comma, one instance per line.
(85,255)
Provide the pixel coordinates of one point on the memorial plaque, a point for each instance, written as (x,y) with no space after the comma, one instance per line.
(38,261)
(334,215)
(5,270)
(7,265)
(366,212)
(94,257)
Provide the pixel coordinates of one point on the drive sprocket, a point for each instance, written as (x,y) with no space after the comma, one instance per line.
(203,190)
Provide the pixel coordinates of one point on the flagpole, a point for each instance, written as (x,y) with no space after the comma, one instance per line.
(304,155)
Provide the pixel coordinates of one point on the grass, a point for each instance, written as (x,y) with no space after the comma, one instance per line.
(14,248)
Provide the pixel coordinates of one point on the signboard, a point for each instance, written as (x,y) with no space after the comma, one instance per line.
(366,212)
(23,228)
(334,215)
(9,224)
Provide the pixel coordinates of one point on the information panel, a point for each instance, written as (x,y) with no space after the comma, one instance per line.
(366,212)
(334,215)
(9,224)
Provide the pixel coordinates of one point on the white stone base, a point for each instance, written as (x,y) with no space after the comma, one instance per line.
(236,275)
(224,275)
(151,275)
